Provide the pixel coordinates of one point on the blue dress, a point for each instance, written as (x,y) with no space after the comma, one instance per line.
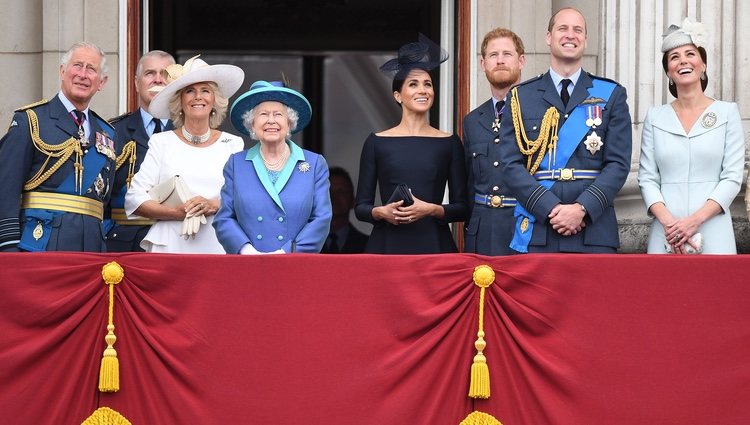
(425,164)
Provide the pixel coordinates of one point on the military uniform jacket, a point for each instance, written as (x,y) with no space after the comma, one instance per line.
(489,230)
(129,127)
(597,195)
(21,160)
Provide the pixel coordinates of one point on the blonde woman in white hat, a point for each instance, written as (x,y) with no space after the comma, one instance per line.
(195,99)
(692,154)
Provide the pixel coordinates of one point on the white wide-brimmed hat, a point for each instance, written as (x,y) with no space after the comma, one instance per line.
(229,78)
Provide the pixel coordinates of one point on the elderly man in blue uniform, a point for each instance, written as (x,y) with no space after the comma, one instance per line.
(571,152)
(134,129)
(58,164)
(490,228)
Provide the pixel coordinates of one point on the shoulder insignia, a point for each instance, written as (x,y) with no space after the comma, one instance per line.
(603,78)
(120,117)
(32,105)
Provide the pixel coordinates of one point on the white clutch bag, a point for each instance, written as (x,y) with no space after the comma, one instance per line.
(697,240)
(172,193)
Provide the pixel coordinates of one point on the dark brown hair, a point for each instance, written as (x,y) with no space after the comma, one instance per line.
(672,85)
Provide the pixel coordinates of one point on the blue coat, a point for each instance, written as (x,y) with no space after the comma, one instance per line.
(20,160)
(489,230)
(129,127)
(294,211)
(597,196)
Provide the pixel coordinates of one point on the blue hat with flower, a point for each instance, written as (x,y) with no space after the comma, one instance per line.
(274,91)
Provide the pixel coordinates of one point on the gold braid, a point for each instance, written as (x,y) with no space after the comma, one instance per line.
(547,133)
(128,152)
(63,151)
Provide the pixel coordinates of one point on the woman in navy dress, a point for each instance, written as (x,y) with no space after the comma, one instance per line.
(418,155)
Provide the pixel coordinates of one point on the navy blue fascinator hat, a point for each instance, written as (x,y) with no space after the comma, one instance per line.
(263,91)
(422,54)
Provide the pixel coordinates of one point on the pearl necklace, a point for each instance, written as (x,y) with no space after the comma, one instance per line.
(279,163)
(196,140)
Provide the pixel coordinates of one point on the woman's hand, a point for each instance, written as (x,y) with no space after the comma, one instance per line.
(198,205)
(680,231)
(388,213)
(417,211)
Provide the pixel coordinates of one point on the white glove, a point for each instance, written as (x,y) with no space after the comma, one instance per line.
(191,225)
(278,251)
(249,249)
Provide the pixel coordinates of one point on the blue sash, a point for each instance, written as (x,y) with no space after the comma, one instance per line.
(569,136)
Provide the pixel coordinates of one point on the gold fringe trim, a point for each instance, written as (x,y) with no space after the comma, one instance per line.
(547,134)
(128,154)
(62,151)
(106,416)
(109,371)
(479,387)
(480,418)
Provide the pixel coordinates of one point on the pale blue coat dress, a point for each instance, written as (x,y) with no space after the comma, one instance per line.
(294,214)
(684,170)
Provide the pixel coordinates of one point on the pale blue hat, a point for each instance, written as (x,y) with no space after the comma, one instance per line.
(264,91)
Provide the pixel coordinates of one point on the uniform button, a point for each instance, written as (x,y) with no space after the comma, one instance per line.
(474,154)
(497,140)
(114,235)
(566,115)
(495,188)
(281,219)
(281,238)
(260,218)
(259,237)
(495,163)
(533,128)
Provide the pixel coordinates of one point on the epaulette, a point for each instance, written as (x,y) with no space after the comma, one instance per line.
(602,78)
(120,117)
(32,105)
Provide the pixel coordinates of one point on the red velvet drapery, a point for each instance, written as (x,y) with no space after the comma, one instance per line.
(314,339)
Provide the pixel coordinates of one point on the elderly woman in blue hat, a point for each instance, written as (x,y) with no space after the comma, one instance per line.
(692,154)
(275,197)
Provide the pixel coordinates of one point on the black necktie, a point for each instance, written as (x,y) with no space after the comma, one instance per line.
(499,108)
(157,125)
(564,95)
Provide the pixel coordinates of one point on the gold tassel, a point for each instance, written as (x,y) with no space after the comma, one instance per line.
(106,416)
(109,372)
(480,418)
(479,387)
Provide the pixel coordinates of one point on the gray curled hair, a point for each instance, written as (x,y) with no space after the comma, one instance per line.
(248,119)
(221,104)
(104,69)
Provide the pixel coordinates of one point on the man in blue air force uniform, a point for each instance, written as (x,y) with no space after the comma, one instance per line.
(571,152)
(58,164)
(490,228)
(134,129)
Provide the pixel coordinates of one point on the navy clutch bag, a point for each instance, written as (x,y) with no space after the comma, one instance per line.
(401,193)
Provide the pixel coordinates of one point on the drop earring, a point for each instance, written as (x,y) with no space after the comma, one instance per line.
(671,83)
(703,76)
(213,112)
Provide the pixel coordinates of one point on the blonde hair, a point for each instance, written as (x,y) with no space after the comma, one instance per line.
(217,116)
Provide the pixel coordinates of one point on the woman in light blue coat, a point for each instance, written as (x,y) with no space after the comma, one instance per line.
(692,155)
(275,197)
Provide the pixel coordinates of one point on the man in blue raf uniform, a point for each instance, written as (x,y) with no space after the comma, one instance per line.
(571,152)
(490,228)
(58,164)
(133,132)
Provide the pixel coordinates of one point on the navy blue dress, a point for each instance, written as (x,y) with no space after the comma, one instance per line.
(425,164)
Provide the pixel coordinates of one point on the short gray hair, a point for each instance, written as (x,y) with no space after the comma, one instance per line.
(86,45)
(221,104)
(153,53)
(248,119)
